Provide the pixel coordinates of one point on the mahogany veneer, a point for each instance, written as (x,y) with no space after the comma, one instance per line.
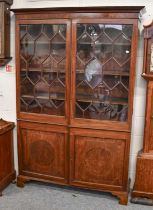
(7,172)
(75,85)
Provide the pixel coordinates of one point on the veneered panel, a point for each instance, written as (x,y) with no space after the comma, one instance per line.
(98,159)
(144,169)
(44,152)
(6,155)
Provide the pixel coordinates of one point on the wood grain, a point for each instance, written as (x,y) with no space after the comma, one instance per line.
(7,171)
(143,186)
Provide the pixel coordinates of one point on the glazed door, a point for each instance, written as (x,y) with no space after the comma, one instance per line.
(103,74)
(43,70)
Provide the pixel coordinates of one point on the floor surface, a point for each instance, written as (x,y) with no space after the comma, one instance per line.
(37,196)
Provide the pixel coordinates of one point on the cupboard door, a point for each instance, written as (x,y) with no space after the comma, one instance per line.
(99,159)
(43,151)
(43,70)
(102,71)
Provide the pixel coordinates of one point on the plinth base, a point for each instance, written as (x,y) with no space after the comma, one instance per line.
(143,188)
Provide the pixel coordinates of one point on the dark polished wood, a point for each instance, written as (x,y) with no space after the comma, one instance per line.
(7,1)
(72,129)
(5,31)
(7,171)
(143,187)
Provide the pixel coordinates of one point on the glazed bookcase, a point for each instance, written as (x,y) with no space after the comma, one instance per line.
(75,85)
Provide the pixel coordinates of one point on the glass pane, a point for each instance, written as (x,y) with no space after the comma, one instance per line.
(34,30)
(42,64)
(102,71)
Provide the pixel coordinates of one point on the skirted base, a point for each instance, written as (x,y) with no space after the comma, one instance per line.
(143,188)
(121,195)
(6,181)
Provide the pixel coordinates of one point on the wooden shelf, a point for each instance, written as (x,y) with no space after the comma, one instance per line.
(122,73)
(111,73)
(86,99)
(84,43)
(44,43)
(78,71)
(44,70)
(112,101)
(44,97)
(96,44)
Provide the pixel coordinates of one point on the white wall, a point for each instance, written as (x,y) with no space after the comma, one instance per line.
(7,80)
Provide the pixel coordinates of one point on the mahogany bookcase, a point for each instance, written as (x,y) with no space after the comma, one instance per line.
(75,85)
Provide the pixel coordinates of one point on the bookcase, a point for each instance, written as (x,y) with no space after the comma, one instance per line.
(75,85)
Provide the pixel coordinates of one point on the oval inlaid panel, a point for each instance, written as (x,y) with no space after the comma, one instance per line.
(96,159)
(42,152)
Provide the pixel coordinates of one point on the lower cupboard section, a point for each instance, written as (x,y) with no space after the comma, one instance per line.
(86,158)
(99,159)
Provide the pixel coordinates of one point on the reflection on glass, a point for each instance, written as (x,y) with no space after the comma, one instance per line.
(102,71)
(34,30)
(42,64)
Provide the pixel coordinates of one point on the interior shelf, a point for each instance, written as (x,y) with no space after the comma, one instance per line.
(43,43)
(113,73)
(82,43)
(43,97)
(113,100)
(102,43)
(78,71)
(45,70)
(122,101)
